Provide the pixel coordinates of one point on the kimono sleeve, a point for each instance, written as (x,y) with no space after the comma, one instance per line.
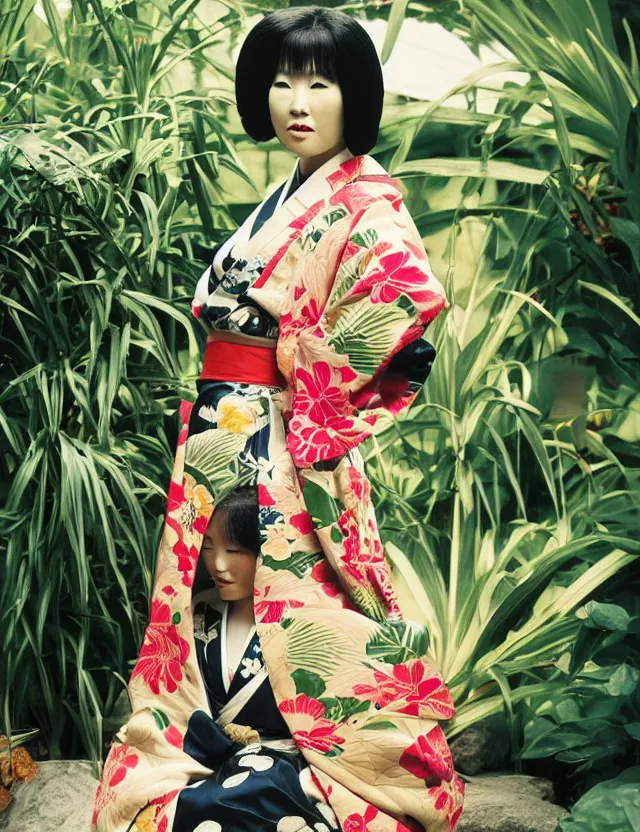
(205,287)
(359,358)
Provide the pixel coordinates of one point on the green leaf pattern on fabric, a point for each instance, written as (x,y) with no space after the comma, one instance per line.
(310,683)
(367,333)
(398,641)
(320,504)
(316,648)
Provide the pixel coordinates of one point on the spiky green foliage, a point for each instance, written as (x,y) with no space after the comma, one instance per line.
(510,494)
(109,166)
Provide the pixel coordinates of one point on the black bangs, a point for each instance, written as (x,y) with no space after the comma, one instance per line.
(240,517)
(312,39)
(311,52)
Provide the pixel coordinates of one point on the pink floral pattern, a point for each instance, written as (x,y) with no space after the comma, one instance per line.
(189,507)
(398,275)
(120,761)
(321,395)
(160,807)
(429,756)
(318,734)
(356,822)
(163,652)
(311,443)
(448,798)
(411,684)
(269,609)
(173,736)
(347,173)
(324,574)
(363,558)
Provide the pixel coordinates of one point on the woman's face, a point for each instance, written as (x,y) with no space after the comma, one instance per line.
(232,567)
(307,114)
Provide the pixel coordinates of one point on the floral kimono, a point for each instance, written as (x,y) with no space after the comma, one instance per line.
(332,282)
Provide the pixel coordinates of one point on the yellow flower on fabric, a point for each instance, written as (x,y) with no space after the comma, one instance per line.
(277,545)
(198,493)
(238,415)
(144,821)
(195,506)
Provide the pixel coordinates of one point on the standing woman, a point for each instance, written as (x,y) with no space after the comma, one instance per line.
(314,308)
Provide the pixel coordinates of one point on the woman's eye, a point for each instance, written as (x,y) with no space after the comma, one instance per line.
(281,85)
(318,85)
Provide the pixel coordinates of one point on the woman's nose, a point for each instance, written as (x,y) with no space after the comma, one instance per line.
(299,104)
(220,563)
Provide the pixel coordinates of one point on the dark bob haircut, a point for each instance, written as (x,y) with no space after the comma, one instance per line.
(239,511)
(322,41)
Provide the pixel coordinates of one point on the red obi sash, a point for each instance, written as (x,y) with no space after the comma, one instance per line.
(227,361)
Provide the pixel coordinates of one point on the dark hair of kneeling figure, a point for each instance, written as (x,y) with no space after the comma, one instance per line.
(231,538)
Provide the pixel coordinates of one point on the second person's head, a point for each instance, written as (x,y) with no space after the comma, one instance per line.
(231,544)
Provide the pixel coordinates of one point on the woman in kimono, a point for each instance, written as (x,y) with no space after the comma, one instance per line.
(315,309)
(258,773)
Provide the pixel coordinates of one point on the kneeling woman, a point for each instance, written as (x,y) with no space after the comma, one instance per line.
(260,780)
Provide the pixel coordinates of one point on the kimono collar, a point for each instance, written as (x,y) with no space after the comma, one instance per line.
(340,170)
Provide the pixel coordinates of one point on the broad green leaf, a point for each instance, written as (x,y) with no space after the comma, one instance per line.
(476,168)
(601,616)
(607,807)
(623,681)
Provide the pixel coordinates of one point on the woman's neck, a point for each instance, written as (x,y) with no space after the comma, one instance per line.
(310,164)
(242,611)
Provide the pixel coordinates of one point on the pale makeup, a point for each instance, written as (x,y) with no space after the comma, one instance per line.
(308,117)
(232,567)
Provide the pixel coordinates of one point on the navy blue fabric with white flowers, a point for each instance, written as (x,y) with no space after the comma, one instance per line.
(253,787)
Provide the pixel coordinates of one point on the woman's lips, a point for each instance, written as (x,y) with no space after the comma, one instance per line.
(221,582)
(300,128)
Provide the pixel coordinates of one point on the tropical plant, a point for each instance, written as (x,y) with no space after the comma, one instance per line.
(509,495)
(109,167)
(594,727)
(610,806)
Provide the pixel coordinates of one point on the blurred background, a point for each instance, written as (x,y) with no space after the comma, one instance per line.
(507,497)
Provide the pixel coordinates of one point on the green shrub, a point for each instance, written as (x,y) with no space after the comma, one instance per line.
(109,168)
(611,806)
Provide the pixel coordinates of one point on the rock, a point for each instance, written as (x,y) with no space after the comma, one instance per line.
(509,803)
(484,746)
(60,799)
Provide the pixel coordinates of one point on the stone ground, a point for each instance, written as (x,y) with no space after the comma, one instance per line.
(60,799)
(509,803)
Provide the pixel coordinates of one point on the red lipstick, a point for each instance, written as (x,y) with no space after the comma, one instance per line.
(301,128)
